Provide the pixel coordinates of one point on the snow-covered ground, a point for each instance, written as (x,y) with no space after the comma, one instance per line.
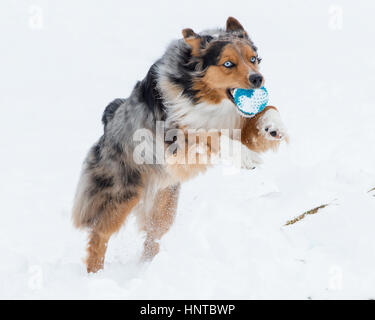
(62,62)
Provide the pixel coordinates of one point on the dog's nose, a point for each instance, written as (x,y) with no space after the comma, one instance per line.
(256,80)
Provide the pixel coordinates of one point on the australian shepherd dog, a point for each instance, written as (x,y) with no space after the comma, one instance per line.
(187,93)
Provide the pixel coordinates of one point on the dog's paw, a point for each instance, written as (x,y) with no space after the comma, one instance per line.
(249,159)
(271,126)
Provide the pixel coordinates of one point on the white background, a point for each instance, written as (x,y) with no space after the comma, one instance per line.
(61,62)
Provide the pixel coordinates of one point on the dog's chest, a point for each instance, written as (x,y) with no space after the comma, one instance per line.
(205,116)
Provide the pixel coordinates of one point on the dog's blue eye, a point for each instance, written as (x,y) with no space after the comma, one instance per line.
(228,64)
(253,59)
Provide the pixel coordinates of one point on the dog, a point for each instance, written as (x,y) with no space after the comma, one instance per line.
(190,87)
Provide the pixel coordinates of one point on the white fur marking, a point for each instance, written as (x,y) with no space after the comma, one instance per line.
(271,121)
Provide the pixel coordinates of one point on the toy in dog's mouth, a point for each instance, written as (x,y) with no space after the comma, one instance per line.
(248,102)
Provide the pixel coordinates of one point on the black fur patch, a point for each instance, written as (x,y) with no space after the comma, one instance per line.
(115,152)
(205,40)
(183,77)
(134,177)
(129,177)
(102,182)
(95,154)
(127,195)
(110,110)
(150,95)
(213,52)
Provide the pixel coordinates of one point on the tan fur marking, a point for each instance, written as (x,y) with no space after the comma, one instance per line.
(252,137)
(161,218)
(200,147)
(233,25)
(109,223)
(193,40)
(96,249)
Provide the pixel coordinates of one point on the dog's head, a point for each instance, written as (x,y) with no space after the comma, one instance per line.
(220,61)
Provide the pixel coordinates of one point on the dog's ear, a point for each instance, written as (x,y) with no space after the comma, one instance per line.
(193,40)
(234,25)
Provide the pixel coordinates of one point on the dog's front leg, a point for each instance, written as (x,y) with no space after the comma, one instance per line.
(233,151)
(264,132)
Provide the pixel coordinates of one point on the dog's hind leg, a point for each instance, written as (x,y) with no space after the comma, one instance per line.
(108,190)
(112,217)
(96,249)
(160,219)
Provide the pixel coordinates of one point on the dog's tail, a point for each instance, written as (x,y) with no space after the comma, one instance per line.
(103,187)
(81,203)
(90,199)
(87,205)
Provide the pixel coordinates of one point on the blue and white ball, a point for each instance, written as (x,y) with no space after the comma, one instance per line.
(249,102)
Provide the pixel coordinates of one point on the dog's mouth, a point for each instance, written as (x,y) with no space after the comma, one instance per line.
(230,94)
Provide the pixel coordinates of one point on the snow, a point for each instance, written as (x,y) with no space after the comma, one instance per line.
(229,239)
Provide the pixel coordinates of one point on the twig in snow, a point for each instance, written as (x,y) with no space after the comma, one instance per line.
(303,215)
